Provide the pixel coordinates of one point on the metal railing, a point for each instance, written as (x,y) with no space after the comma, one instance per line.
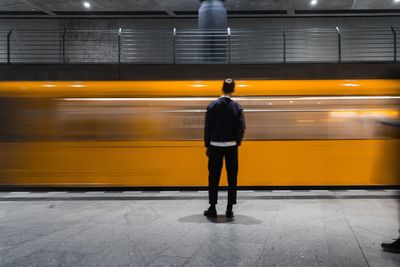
(4,46)
(37,46)
(367,45)
(90,46)
(201,47)
(257,46)
(147,46)
(312,45)
(186,46)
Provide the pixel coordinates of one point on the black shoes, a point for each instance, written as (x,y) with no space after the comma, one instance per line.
(393,247)
(229,213)
(210,213)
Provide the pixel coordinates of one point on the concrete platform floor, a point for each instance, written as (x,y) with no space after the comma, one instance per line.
(271,228)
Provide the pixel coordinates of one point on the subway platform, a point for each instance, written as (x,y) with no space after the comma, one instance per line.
(167,228)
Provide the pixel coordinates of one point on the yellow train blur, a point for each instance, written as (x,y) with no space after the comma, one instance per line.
(148,133)
(197,88)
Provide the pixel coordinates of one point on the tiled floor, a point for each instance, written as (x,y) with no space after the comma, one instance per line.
(271,228)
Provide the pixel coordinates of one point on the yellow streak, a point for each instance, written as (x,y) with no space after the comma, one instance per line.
(199,88)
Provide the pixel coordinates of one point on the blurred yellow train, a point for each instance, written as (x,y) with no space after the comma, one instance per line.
(149,133)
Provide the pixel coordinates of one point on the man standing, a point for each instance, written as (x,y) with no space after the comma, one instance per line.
(394,246)
(223,133)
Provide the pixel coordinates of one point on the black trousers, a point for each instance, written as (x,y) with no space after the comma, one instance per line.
(215,160)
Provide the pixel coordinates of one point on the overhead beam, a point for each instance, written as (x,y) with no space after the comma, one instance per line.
(39,8)
(166,8)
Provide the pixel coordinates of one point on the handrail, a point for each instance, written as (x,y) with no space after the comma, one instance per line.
(63,45)
(394,44)
(193,46)
(174,45)
(9,46)
(284,45)
(339,44)
(229,45)
(119,45)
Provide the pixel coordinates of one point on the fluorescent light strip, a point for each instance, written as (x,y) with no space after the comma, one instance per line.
(235,98)
(141,99)
(281,110)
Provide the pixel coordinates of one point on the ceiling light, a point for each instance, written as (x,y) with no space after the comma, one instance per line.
(314,2)
(397,1)
(87,4)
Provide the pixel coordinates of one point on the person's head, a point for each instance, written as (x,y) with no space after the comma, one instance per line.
(229,86)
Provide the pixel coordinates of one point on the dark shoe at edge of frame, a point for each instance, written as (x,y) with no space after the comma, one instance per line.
(393,247)
(210,213)
(229,214)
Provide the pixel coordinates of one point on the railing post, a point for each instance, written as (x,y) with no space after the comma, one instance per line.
(229,45)
(339,45)
(394,44)
(174,44)
(284,45)
(9,47)
(63,45)
(119,45)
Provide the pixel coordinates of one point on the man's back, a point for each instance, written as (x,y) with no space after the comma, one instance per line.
(224,121)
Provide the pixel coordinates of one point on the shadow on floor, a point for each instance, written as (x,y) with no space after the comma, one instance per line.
(238,219)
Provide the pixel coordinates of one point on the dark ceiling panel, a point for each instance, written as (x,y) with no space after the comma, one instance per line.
(257,4)
(348,11)
(321,4)
(257,12)
(233,5)
(15,5)
(238,13)
(182,5)
(344,4)
(99,5)
(190,7)
(111,13)
(376,4)
(186,13)
(21,13)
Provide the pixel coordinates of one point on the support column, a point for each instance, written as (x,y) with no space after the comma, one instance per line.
(213,21)
(212,15)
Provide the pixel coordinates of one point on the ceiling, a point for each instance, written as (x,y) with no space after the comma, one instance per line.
(188,8)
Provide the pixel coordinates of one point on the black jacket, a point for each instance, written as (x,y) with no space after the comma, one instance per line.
(224,122)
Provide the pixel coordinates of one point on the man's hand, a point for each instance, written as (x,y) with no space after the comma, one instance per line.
(207,151)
